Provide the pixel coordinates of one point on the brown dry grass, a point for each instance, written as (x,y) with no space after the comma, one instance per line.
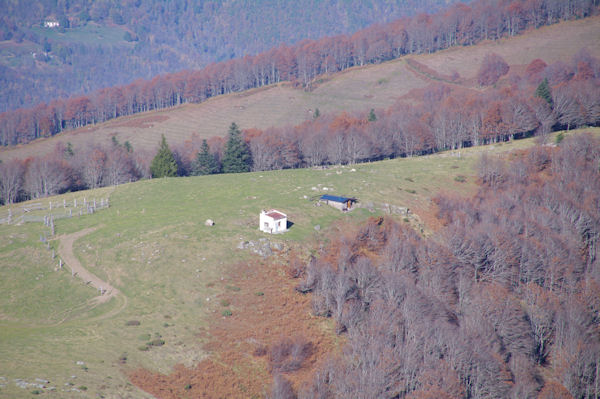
(360,88)
(550,43)
(237,366)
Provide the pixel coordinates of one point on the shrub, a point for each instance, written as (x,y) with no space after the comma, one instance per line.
(226,313)
(460,179)
(132,323)
(492,68)
(224,302)
(282,388)
(287,354)
(260,293)
(295,268)
(260,350)
(157,342)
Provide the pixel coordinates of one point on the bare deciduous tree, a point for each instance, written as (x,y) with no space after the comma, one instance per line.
(11,180)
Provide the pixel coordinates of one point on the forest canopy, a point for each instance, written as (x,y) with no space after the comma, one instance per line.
(500,302)
(301,63)
(104,43)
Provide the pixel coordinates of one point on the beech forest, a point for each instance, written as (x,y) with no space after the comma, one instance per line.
(300,63)
(501,301)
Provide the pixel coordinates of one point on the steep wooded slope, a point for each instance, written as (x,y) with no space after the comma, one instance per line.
(360,88)
(105,43)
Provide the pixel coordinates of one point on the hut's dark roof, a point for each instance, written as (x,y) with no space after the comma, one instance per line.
(335,198)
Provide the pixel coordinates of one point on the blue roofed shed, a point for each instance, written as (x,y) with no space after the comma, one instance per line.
(341,203)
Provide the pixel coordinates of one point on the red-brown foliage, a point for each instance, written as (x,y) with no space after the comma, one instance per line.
(493,305)
(301,64)
(492,68)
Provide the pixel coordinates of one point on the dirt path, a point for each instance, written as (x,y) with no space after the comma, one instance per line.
(65,249)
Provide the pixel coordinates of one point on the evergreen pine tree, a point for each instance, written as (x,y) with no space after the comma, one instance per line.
(163,164)
(317,113)
(236,158)
(543,91)
(372,117)
(69,150)
(205,164)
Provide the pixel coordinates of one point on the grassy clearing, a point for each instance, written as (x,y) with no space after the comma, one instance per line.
(153,246)
(550,43)
(90,33)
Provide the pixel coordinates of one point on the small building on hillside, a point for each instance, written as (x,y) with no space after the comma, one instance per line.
(51,23)
(273,221)
(342,203)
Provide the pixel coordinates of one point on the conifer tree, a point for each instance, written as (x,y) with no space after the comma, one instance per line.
(372,117)
(543,91)
(163,164)
(236,158)
(205,164)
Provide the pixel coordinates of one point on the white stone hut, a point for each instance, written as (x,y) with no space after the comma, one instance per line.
(273,221)
(51,23)
(344,204)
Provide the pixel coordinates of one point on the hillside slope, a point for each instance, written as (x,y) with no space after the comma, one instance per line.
(104,44)
(361,88)
(172,271)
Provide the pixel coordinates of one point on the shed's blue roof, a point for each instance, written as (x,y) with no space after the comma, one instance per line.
(335,198)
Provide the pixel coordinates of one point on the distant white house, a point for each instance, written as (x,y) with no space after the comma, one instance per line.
(273,221)
(51,23)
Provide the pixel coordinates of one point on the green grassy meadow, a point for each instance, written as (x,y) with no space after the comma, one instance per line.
(153,246)
(90,33)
